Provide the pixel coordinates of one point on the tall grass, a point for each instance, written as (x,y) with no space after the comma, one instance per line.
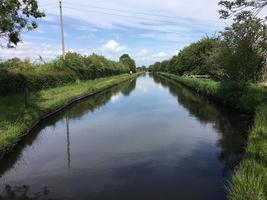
(250,179)
(248,101)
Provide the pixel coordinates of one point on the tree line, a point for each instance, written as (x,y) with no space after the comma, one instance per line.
(16,74)
(237,56)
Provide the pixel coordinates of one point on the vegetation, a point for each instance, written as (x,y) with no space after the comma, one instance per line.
(15,74)
(128,61)
(15,120)
(248,101)
(250,179)
(197,58)
(15,16)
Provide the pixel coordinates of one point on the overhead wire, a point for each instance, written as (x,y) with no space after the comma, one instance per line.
(127,11)
(126,16)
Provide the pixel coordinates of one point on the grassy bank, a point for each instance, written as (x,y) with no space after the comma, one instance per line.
(16,122)
(250,177)
(248,101)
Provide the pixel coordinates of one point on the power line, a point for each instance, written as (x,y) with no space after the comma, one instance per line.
(129,11)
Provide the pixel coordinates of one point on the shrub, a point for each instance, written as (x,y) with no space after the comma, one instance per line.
(15,74)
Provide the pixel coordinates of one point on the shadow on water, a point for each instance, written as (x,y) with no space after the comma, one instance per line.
(82,107)
(232,126)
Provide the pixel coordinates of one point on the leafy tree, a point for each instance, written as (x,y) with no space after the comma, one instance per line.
(245,41)
(197,58)
(15,16)
(240,8)
(128,61)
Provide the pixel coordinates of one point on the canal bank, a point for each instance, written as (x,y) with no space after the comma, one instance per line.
(250,177)
(16,121)
(144,139)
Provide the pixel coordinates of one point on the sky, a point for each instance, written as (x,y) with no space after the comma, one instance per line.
(148,30)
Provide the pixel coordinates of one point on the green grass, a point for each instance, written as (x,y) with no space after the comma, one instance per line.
(15,121)
(250,178)
(247,101)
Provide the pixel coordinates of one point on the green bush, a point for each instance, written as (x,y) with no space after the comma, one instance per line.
(15,74)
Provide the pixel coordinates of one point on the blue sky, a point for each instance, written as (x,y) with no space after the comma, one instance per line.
(149,30)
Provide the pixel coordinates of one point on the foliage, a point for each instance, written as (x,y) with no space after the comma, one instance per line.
(16,16)
(128,61)
(197,58)
(240,8)
(16,74)
(248,100)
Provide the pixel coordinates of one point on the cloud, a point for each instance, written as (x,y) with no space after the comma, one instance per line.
(30,50)
(143,53)
(149,30)
(112,47)
(147,57)
(161,54)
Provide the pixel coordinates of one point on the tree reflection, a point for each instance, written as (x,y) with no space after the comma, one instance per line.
(23,193)
(87,105)
(233,135)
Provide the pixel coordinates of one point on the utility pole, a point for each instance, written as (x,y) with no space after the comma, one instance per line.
(62,30)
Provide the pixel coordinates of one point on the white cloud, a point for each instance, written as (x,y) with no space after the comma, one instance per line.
(112,47)
(161,54)
(142,53)
(147,57)
(30,50)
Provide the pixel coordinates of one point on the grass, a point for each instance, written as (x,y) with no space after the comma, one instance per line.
(15,121)
(250,178)
(248,101)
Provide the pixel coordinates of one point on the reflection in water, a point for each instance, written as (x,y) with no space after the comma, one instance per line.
(233,134)
(68,140)
(145,139)
(24,193)
(81,109)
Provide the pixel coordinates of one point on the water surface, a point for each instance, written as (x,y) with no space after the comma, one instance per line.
(145,139)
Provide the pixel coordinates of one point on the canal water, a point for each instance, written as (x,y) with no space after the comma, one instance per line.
(146,139)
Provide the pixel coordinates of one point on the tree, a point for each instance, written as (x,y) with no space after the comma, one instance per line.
(240,8)
(15,16)
(245,41)
(128,61)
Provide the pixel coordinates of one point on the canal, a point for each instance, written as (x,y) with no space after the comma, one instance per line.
(148,138)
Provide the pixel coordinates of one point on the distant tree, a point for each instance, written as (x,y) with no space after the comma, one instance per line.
(15,16)
(144,68)
(128,61)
